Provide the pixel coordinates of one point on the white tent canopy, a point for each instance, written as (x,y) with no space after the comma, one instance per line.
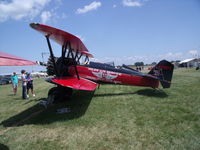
(187,60)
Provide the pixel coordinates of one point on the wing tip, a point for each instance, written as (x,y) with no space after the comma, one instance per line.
(34,25)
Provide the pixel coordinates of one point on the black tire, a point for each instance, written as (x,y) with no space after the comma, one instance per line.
(53,95)
(59,94)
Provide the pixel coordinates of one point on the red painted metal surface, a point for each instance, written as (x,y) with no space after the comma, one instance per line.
(75,83)
(165,67)
(99,75)
(61,37)
(11,60)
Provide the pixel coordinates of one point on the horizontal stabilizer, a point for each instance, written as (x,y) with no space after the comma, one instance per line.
(74,83)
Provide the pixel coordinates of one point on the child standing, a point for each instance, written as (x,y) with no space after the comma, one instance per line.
(29,85)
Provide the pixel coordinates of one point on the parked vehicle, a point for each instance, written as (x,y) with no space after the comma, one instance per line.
(5,81)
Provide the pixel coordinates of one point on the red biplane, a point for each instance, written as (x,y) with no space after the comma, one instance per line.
(70,74)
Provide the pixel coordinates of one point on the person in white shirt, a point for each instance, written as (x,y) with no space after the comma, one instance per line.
(24,83)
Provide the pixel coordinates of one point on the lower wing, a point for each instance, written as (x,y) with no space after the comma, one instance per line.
(74,83)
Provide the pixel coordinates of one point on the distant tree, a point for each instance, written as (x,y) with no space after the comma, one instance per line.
(139,64)
(153,63)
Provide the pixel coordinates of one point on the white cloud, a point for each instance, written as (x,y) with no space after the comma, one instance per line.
(147,59)
(19,9)
(56,4)
(170,56)
(114,6)
(63,16)
(93,6)
(131,3)
(45,16)
(193,52)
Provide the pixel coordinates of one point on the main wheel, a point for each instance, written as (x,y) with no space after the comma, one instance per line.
(59,94)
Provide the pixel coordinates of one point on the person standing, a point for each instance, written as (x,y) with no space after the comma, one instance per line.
(29,85)
(14,79)
(24,83)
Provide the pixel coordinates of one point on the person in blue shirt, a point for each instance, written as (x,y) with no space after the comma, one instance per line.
(29,85)
(14,79)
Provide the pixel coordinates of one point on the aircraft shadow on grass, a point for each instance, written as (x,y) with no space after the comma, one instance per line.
(78,105)
(144,92)
(3,147)
(38,114)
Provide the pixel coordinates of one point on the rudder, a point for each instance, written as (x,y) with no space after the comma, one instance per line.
(164,71)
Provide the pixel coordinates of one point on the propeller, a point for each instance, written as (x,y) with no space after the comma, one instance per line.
(51,54)
(58,65)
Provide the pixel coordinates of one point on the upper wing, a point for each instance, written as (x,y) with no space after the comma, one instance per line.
(61,37)
(75,83)
(11,60)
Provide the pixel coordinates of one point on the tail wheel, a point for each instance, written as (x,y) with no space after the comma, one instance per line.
(59,94)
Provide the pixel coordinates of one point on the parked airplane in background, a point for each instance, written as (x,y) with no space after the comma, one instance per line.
(70,74)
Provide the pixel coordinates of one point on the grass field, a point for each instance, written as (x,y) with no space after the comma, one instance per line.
(114,117)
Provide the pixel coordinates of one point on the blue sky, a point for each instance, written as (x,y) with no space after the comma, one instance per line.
(123,31)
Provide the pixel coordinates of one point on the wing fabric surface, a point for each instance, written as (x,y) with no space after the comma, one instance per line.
(61,37)
(11,60)
(75,83)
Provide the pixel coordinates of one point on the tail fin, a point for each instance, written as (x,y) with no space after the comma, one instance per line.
(164,71)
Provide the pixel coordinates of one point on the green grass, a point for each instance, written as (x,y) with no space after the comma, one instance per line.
(114,117)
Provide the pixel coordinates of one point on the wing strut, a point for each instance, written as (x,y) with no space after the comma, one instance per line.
(78,60)
(51,54)
(75,64)
(66,46)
